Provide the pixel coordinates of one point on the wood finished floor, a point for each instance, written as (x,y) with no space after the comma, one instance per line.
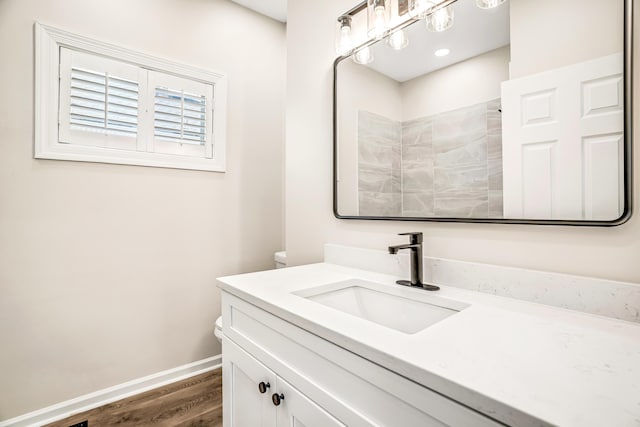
(194,402)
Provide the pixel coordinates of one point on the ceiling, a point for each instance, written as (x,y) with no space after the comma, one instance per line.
(474,31)
(276,9)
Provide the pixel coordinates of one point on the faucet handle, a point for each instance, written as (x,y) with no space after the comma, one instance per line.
(416,236)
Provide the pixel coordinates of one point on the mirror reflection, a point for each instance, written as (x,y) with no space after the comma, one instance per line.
(511,112)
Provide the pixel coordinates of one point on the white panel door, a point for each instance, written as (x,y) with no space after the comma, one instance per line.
(296,410)
(563,142)
(243,403)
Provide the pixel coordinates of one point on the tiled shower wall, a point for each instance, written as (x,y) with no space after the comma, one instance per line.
(379,166)
(445,165)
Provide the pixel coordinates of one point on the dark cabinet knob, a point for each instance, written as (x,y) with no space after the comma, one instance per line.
(263,387)
(277,398)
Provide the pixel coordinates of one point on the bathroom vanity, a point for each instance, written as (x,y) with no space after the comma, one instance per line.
(328,345)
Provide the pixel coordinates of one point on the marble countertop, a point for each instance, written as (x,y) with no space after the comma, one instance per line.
(521,363)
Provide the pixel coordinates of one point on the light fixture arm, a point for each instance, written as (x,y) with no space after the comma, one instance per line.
(363,5)
(356,9)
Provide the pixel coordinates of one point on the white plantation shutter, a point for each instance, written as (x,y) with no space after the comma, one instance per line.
(112,104)
(103,103)
(179,116)
(182,116)
(99,101)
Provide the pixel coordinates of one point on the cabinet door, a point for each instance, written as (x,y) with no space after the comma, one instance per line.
(296,410)
(244,405)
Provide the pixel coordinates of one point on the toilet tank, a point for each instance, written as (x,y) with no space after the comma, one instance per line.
(281,259)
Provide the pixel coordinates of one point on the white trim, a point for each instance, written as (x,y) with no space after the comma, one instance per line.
(48,41)
(99,398)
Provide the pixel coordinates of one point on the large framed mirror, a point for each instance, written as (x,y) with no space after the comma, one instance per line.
(516,114)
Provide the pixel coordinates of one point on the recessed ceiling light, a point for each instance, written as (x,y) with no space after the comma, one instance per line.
(442,52)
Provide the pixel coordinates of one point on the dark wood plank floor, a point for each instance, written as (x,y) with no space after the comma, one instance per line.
(194,402)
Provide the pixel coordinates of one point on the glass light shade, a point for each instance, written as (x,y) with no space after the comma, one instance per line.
(419,8)
(441,19)
(489,4)
(398,40)
(344,40)
(378,15)
(363,56)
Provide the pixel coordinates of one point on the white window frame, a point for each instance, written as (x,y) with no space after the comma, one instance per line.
(49,40)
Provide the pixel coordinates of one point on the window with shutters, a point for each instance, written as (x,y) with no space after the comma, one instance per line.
(180,116)
(114,105)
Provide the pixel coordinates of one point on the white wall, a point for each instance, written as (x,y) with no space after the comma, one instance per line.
(460,85)
(354,88)
(600,252)
(546,27)
(107,272)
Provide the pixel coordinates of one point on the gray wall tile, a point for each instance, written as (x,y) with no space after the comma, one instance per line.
(447,165)
(467,148)
(379,204)
(494,147)
(460,122)
(495,175)
(418,179)
(418,204)
(418,132)
(376,179)
(417,155)
(379,165)
(467,204)
(470,177)
(496,209)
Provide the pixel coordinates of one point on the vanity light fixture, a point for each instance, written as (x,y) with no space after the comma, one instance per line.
(442,52)
(349,38)
(398,40)
(344,42)
(438,19)
(441,19)
(489,4)
(418,8)
(378,15)
(363,56)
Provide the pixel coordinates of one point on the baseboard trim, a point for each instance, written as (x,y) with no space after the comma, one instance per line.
(96,399)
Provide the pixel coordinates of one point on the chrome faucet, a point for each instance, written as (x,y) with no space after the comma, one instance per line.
(415,246)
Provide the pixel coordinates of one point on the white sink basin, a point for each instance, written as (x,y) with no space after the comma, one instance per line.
(395,308)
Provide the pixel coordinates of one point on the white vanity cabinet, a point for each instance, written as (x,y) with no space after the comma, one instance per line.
(256,396)
(320,383)
(299,411)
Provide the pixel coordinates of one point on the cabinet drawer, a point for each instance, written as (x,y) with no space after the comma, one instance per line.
(354,390)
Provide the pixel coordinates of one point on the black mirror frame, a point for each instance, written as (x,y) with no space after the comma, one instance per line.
(628,152)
